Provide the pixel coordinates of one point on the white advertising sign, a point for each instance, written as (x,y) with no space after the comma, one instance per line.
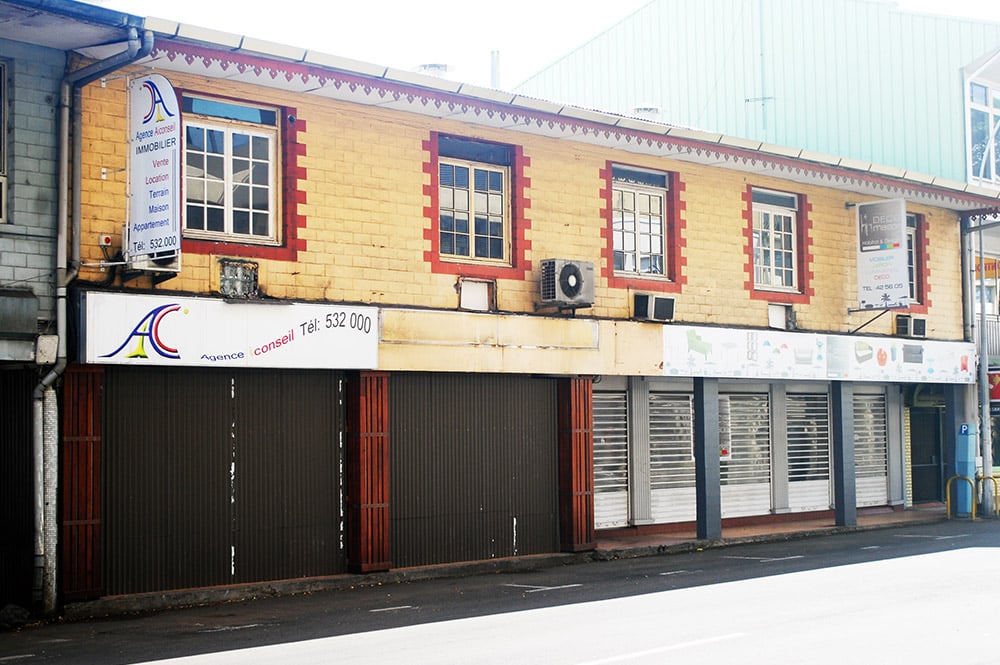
(883,276)
(154,168)
(772,354)
(206,332)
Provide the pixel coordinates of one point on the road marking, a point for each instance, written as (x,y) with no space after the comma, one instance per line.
(679,572)
(226,629)
(673,647)
(532,588)
(764,559)
(872,547)
(394,609)
(9,659)
(930,537)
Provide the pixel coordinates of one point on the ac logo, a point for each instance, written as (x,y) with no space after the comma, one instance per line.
(148,328)
(157,105)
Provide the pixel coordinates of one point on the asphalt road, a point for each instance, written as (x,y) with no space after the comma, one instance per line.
(916,594)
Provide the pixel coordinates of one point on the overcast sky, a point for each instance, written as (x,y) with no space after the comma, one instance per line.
(529,34)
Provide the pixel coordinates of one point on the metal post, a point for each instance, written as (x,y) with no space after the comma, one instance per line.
(845,499)
(985,429)
(706,458)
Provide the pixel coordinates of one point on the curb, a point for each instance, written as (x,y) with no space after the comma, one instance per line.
(134,604)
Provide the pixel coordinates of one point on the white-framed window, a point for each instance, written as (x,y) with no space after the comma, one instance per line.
(474,200)
(230,171)
(3,143)
(639,220)
(913,257)
(984,134)
(775,240)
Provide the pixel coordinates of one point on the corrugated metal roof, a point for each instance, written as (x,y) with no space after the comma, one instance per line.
(858,78)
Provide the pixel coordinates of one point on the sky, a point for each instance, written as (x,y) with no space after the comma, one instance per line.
(463,34)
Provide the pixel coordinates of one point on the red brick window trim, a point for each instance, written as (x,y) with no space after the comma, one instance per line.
(673,277)
(517,267)
(803,253)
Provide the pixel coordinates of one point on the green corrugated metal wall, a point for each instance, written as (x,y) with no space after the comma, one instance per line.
(852,78)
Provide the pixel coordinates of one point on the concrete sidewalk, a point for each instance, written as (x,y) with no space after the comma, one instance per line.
(615,545)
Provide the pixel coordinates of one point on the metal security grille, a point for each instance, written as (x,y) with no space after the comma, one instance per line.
(610,459)
(473,467)
(671,452)
(871,446)
(745,442)
(808,432)
(236,479)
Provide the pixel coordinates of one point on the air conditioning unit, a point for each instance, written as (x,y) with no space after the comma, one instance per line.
(910,326)
(649,307)
(167,261)
(567,284)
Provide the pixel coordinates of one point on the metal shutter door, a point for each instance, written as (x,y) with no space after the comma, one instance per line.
(871,450)
(610,459)
(671,455)
(808,423)
(745,437)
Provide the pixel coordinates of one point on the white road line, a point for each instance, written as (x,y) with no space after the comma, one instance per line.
(672,647)
(764,559)
(679,572)
(11,659)
(394,609)
(532,589)
(226,629)
(872,547)
(930,536)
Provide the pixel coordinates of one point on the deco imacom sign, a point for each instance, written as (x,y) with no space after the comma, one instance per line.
(205,332)
(883,276)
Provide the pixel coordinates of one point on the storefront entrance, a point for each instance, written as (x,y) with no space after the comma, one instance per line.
(926,462)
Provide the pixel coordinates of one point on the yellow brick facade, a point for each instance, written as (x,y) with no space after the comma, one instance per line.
(365,224)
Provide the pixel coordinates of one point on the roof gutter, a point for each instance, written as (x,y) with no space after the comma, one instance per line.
(45,431)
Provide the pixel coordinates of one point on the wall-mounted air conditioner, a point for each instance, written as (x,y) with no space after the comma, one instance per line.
(167,261)
(910,326)
(567,283)
(649,307)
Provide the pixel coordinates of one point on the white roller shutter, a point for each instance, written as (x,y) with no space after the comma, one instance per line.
(671,453)
(871,450)
(745,442)
(610,459)
(808,432)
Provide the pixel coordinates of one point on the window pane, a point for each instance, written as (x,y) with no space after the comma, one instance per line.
(215,141)
(261,224)
(195,138)
(447,175)
(461,222)
(446,197)
(194,217)
(215,167)
(462,177)
(261,199)
(261,174)
(216,219)
(241,221)
(496,181)
(447,222)
(261,148)
(241,145)
(462,245)
(462,199)
(241,196)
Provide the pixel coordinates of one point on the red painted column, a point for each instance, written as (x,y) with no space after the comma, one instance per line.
(367,467)
(576,464)
(80,484)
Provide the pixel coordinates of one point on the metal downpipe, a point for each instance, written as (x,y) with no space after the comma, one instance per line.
(45,416)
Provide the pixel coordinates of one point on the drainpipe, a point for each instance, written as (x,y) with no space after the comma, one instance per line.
(45,405)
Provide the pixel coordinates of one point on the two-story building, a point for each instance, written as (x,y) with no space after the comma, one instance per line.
(331,317)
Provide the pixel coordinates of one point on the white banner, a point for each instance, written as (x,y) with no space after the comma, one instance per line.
(773,354)
(154,168)
(208,332)
(883,276)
